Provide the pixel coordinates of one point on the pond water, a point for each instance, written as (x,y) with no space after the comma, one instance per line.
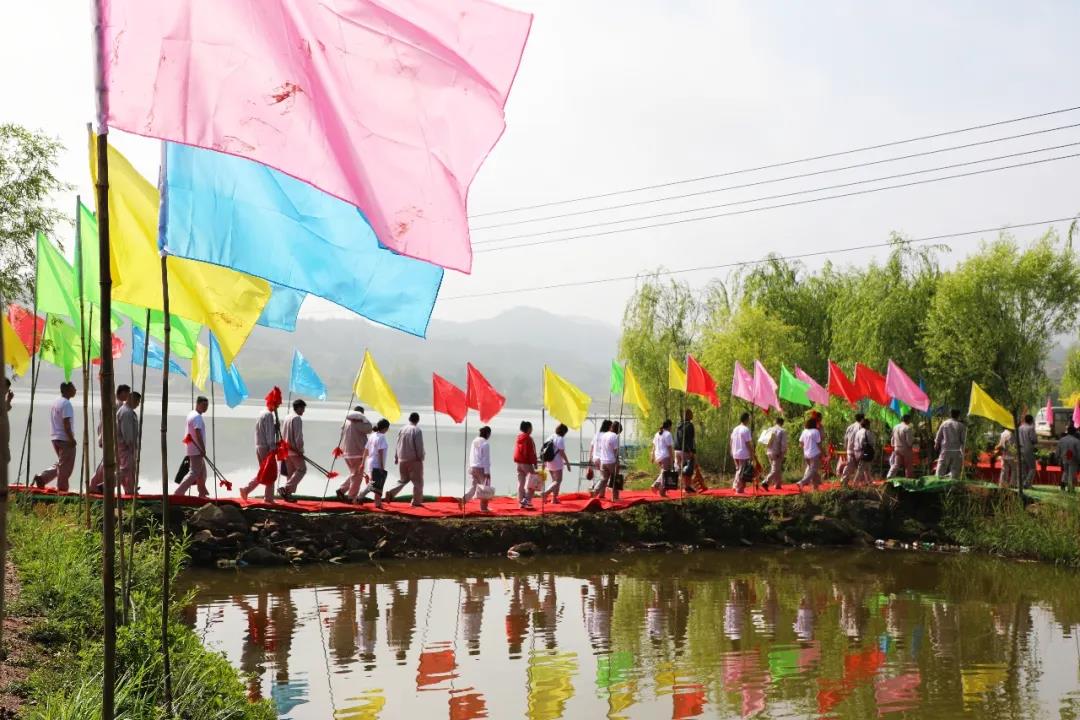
(746,633)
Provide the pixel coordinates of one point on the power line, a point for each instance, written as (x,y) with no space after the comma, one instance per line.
(757,183)
(722,266)
(763,198)
(785,163)
(793,203)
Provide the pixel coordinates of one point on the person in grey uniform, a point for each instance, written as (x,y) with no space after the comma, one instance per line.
(1026,435)
(1069,453)
(949,443)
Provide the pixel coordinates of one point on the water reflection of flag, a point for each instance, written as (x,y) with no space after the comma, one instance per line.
(858,668)
(467,705)
(614,668)
(979,680)
(551,684)
(897,694)
(367,706)
(688,701)
(436,665)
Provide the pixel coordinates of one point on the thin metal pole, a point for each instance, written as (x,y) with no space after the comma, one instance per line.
(89,457)
(35,365)
(5,458)
(438,457)
(213,431)
(166,545)
(465,483)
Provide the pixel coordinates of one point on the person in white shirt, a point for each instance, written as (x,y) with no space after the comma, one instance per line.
(556,466)
(480,469)
(776,448)
(1007,450)
(594,446)
(195,444)
(376,463)
(62,418)
(663,446)
(741,441)
(810,439)
(609,462)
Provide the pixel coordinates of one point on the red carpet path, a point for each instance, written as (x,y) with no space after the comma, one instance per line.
(448,507)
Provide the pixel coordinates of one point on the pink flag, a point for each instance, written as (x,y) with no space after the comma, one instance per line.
(742,385)
(764,388)
(391,107)
(1049,414)
(816,392)
(904,389)
(1076,415)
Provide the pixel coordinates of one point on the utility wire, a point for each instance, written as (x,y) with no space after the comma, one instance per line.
(722,266)
(793,203)
(763,198)
(777,180)
(785,163)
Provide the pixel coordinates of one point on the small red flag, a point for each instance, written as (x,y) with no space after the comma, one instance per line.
(273,399)
(840,386)
(699,382)
(448,398)
(117,350)
(23,322)
(268,471)
(480,396)
(870,384)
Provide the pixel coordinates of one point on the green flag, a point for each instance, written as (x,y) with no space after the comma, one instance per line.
(60,345)
(184,333)
(54,282)
(883,414)
(793,389)
(618,379)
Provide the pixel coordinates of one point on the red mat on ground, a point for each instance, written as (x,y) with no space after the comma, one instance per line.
(1050,476)
(449,507)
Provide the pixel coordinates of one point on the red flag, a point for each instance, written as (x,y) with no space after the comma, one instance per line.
(480,396)
(117,350)
(435,666)
(840,386)
(268,471)
(467,705)
(22,322)
(699,382)
(273,399)
(688,701)
(870,384)
(448,398)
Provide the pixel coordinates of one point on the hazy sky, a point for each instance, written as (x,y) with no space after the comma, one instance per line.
(616,94)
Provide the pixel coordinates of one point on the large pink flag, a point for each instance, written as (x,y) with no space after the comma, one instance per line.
(1076,414)
(391,107)
(742,385)
(898,385)
(815,392)
(764,388)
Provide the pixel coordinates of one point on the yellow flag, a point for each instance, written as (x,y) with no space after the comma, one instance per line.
(633,393)
(200,366)
(15,353)
(372,388)
(565,401)
(984,406)
(676,376)
(226,301)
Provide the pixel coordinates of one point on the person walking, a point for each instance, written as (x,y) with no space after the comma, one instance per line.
(866,451)
(949,442)
(903,443)
(354,438)
(594,446)
(266,441)
(776,449)
(1068,451)
(741,443)
(195,447)
(810,439)
(409,457)
(97,480)
(663,455)
(375,455)
(1006,450)
(1028,442)
(525,461)
(480,470)
(686,449)
(292,432)
(62,434)
(127,442)
(851,455)
(557,465)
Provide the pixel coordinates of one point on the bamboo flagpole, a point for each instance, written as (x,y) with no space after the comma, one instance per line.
(465,483)
(84,357)
(35,364)
(5,459)
(213,430)
(438,455)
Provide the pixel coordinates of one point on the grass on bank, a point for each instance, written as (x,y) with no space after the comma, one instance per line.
(59,566)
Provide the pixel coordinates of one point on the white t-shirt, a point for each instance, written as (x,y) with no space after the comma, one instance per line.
(810,439)
(195,422)
(61,409)
(609,448)
(662,444)
(740,442)
(376,442)
(597,442)
(480,455)
(560,448)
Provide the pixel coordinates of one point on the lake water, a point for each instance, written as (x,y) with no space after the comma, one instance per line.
(232,446)
(735,634)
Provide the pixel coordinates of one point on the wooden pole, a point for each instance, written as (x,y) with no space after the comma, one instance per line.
(465,484)
(5,458)
(138,464)
(35,365)
(84,356)
(166,545)
(213,430)
(88,401)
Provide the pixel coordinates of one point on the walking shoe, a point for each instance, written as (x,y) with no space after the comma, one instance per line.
(341,496)
(555,501)
(285,495)
(243,493)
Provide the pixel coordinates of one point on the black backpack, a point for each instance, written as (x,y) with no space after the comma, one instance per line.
(867,449)
(547,450)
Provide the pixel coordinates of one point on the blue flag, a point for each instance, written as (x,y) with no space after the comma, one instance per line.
(282,308)
(230,211)
(154,356)
(303,380)
(229,379)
